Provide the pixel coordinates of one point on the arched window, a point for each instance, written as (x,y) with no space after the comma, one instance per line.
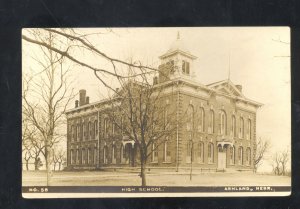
(72,156)
(223,123)
(249,129)
(81,131)
(233,127)
(84,131)
(122,153)
(88,157)
(241,127)
(210,154)
(212,121)
(77,156)
(167,153)
(189,152)
(89,130)
(96,128)
(113,128)
(95,155)
(122,124)
(240,155)
(73,132)
(105,126)
(154,152)
(105,155)
(114,154)
(248,156)
(190,118)
(83,156)
(200,152)
(78,132)
(166,117)
(201,120)
(232,155)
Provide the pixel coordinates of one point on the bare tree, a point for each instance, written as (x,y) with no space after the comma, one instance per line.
(141,111)
(262,147)
(276,164)
(46,95)
(72,44)
(284,158)
(59,157)
(279,162)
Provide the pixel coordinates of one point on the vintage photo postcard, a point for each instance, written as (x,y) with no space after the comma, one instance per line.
(156,112)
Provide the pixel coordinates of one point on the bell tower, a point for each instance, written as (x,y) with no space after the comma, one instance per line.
(176,62)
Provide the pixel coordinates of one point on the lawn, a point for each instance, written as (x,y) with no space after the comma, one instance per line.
(105,178)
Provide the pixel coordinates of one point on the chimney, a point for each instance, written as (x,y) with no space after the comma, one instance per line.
(239,87)
(76,103)
(87,100)
(82,94)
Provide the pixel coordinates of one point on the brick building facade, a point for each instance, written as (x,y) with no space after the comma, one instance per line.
(220,132)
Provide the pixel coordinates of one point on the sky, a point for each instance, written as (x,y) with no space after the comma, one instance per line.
(259,61)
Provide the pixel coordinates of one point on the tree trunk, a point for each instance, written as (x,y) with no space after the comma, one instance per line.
(59,165)
(36,164)
(143,174)
(47,156)
(27,167)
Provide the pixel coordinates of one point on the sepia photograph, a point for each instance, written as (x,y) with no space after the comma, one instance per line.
(156,112)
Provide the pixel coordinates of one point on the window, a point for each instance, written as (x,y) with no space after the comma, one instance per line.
(77,156)
(241,127)
(240,155)
(113,154)
(73,132)
(83,156)
(84,130)
(72,156)
(249,129)
(170,66)
(88,152)
(122,124)
(201,120)
(105,127)
(78,132)
(190,118)
(105,154)
(154,152)
(95,155)
(200,152)
(223,124)
(81,130)
(167,153)
(112,128)
(248,156)
(210,153)
(189,152)
(89,130)
(185,67)
(96,128)
(232,155)
(166,117)
(212,122)
(233,127)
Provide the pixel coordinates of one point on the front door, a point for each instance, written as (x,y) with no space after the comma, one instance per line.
(221,158)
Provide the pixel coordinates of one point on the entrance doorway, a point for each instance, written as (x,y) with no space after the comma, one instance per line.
(221,158)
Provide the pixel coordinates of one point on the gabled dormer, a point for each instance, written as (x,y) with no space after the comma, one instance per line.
(176,62)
